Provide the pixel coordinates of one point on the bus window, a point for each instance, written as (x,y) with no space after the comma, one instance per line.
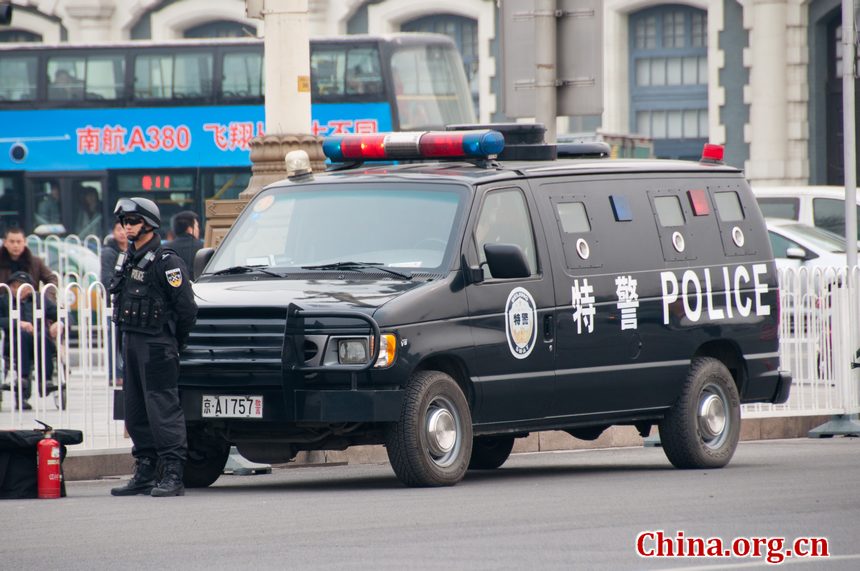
(183,76)
(66,78)
(10,203)
(105,77)
(48,201)
(428,94)
(87,207)
(337,72)
(242,75)
(363,73)
(19,78)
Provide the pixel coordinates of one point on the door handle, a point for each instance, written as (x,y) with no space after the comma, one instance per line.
(548,328)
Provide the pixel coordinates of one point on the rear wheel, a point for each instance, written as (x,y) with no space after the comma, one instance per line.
(490,452)
(207,456)
(432,442)
(701,429)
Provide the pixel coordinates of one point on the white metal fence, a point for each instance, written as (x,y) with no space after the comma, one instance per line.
(818,344)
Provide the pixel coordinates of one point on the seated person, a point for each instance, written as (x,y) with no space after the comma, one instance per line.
(65,86)
(28,354)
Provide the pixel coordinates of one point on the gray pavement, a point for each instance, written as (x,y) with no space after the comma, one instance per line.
(563,510)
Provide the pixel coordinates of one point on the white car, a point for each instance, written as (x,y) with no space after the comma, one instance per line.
(797,245)
(819,206)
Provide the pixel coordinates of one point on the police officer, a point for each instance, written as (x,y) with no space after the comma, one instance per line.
(154,309)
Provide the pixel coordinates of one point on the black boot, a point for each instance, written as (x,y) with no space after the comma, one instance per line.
(171,484)
(141,482)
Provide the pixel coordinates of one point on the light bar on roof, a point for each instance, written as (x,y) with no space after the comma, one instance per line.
(414,146)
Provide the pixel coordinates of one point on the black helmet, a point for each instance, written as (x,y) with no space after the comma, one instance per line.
(143,207)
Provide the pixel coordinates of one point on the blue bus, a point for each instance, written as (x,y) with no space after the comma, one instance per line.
(82,125)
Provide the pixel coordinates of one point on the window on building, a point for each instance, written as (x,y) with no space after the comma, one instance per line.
(221,29)
(15,36)
(669,78)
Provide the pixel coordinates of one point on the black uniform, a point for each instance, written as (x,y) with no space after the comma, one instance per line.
(155,310)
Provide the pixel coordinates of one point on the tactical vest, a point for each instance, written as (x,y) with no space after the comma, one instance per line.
(140,304)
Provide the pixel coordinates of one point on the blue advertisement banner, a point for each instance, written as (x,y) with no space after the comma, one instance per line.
(162,137)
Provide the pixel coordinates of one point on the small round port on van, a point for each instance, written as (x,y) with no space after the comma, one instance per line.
(738,237)
(678,242)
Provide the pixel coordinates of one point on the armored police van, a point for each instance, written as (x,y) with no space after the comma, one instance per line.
(473,289)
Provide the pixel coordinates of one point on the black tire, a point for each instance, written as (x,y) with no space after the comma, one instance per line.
(432,442)
(701,429)
(490,452)
(207,456)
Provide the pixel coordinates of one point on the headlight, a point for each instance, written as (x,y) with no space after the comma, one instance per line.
(357,351)
(352,351)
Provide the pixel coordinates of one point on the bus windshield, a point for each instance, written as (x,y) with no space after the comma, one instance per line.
(382,224)
(430,92)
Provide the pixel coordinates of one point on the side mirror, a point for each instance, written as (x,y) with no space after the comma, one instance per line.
(795,253)
(201,258)
(506,261)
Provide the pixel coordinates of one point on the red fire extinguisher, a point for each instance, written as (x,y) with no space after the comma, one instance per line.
(48,473)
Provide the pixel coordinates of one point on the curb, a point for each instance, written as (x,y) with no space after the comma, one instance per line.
(114,462)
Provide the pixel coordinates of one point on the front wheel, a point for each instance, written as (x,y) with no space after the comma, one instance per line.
(207,456)
(432,442)
(701,429)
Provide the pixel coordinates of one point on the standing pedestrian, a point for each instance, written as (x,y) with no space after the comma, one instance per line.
(155,310)
(186,229)
(15,256)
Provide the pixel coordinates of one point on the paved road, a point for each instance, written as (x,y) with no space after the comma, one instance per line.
(562,510)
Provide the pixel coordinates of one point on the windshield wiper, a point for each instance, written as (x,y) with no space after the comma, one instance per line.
(245,270)
(358,266)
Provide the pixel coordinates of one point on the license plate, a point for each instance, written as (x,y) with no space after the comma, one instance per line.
(232,406)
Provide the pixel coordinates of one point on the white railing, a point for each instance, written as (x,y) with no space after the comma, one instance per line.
(819,333)
(819,340)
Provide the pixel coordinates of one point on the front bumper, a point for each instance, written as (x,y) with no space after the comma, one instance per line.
(323,406)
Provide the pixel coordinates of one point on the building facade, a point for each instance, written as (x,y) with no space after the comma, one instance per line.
(762,77)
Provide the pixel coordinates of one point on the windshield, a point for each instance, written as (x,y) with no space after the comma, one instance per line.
(430,87)
(392,225)
(818,237)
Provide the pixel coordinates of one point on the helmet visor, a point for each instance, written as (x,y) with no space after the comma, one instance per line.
(124,206)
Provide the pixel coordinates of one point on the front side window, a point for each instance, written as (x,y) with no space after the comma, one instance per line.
(374,224)
(504,219)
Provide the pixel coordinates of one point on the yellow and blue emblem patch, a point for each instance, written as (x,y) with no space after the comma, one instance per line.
(174,277)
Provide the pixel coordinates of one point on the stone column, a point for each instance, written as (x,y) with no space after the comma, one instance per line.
(90,21)
(288,94)
(778,124)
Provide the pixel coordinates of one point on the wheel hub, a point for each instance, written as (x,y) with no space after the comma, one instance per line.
(712,415)
(441,431)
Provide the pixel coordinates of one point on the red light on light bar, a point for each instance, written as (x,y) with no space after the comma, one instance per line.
(366,146)
(699,202)
(712,153)
(441,145)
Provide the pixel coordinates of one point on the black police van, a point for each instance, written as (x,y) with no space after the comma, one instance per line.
(475,289)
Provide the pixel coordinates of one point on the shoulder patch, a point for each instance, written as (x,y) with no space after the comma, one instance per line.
(174,277)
